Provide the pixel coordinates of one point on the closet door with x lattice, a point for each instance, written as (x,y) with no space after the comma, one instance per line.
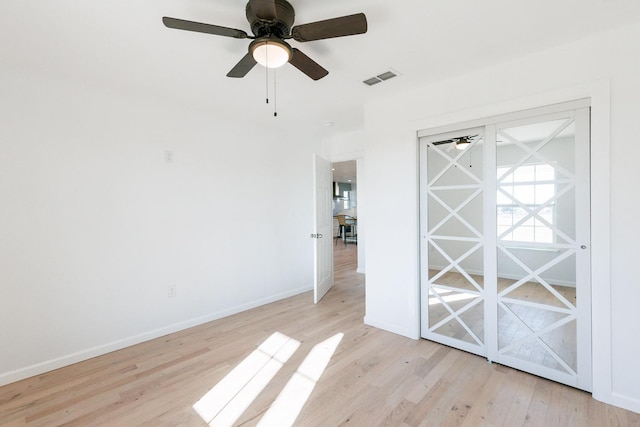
(505,235)
(542,215)
(453,242)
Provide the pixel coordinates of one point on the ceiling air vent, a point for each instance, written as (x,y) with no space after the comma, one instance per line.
(372,81)
(380,78)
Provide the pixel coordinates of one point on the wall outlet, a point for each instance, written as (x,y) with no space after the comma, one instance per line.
(172,291)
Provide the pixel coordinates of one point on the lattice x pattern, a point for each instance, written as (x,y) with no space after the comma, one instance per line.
(536,184)
(455,244)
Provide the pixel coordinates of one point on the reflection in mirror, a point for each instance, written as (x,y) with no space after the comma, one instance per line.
(535,215)
(455,230)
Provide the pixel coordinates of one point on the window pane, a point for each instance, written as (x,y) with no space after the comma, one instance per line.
(525,194)
(530,185)
(545,172)
(523,234)
(525,174)
(502,229)
(547,214)
(518,214)
(505,217)
(508,236)
(503,199)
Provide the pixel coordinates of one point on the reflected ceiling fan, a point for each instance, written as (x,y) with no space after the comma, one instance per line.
(459,143)
(271,24)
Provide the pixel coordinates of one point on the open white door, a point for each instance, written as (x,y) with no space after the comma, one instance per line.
(323,228)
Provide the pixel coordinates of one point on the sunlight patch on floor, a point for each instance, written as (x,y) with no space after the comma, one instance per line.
(226,402)
(448,296)
(287,406)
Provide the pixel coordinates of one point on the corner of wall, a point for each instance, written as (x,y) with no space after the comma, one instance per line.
(412,333)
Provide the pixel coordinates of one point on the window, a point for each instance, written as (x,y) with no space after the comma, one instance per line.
(531,186)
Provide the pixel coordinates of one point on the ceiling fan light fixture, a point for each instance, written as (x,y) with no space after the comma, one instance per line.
(462,144)
(270,52)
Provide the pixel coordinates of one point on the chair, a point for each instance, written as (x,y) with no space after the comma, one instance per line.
(342,228)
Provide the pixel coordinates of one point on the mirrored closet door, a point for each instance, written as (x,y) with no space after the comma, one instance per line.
(505,242)
(454,287)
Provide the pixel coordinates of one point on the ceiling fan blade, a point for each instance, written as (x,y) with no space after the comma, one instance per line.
(264,9)
(181,24)
(446,141)
(243,67)
(330,28)
(307,65)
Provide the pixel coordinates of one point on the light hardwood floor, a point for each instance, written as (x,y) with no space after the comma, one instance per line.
(374,377)
(563,339)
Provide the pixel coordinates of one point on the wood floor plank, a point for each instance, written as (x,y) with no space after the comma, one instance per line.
(373,378)
(517,411)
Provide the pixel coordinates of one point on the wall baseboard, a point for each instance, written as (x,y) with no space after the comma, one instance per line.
(60,362)
(625,402)
(396,329)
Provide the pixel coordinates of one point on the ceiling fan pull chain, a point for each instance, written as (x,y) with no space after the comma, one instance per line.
(275,94)
(266,74)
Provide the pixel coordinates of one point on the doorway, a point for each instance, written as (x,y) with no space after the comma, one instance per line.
(345,202)
(345,217)
(505,227)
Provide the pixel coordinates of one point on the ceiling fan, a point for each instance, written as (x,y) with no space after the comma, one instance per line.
(271,24)
(459,143)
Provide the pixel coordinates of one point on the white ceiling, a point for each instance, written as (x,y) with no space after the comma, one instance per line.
(122,45)
(344,171)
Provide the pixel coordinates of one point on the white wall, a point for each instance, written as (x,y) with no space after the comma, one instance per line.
(348,146)
(95,225)
(594,67)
